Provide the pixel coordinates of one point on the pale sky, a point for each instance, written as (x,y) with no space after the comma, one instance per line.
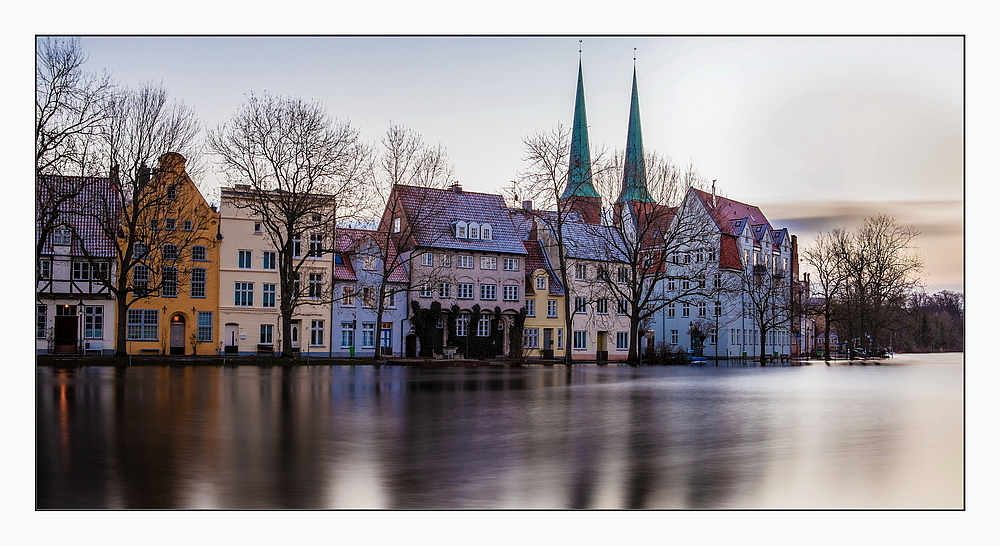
(817,128)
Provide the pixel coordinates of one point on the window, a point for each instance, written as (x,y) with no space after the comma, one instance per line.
(297,246)
(270,260)
(243,294)
(426,291)
(266,334)
(488,262)
(198,282)
(713,338)
(257,227)
(317,217)
(169,287)
(368,334)
(553,309)
(316,333)
(711,255)
(483,327)
(473,230)
(347,296)
(581,272)
(368,296)
(465,262)
(44,269)
(717,281)
(170,223)
(81,271)
(316,245)
(671,284)
(444,290)
(699,256)
(396,225)
(41,320)
(63,236)
(674,337)
(171,192)
(579,340)
(580,305)
(486,231)
(461,230)
(267,296)
(686,309)
(315,285)
(142,324)
(93,322)
(510,292)
(188,225)
(622,344)
(368,263)
(154,224)
(445,260)
(465,290)
(718,308)
(531,338)
(347,334)
(671,311)
(622,275)
(139,251)
(245,259)
(539,283)
(487,291)
(602,306)
(701,281)
(511,264)
(198,253)
(559,338)
(390,300)
(204,326)
(701,309)
(529,306)
(685,284)
(462,326)
(622,307)
(428,259)
(687,257)
(140,280)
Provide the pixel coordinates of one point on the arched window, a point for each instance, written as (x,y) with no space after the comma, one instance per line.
(473,230)
(461,230)
(486,231)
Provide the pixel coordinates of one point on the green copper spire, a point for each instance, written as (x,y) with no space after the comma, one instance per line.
(634,179)
(578,181)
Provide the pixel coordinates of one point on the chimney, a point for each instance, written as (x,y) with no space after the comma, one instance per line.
(526,205)
(713,193)
(456,187)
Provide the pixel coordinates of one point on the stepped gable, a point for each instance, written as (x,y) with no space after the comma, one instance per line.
(457,205)
(536,260)
(89,213)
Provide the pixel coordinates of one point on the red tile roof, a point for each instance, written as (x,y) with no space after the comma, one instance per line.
(538,260)
(348,241)
(92,211)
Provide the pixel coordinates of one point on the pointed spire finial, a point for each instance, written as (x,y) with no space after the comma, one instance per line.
(633,56)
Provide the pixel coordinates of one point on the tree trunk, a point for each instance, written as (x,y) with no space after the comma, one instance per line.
(826,339)
(121,347)
(380,309)
(763,347)
(635,346)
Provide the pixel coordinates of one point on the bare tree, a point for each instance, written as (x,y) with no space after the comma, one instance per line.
(766,290)
(543,182)
(404,165)
(299,173)
(652,244)
(70,117)
(826,259)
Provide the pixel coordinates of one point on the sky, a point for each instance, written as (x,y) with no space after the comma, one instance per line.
(818,131)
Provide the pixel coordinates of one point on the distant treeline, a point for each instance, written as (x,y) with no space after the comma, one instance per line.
(932,323)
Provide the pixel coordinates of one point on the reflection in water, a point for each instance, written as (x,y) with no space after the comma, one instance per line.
(502,437)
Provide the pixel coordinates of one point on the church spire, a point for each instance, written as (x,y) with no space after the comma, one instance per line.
(634,178)
(578,183)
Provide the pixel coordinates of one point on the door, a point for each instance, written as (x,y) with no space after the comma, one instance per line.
(295,336)
(602,346)
(498,348)
(547,351)
(232,338)
(177,335)
(411,345)
(64,334)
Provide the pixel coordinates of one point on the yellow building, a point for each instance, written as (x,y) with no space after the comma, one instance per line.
(543,327)
(177,279)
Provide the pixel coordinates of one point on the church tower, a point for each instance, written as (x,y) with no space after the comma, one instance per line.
(634,177)
(580,195)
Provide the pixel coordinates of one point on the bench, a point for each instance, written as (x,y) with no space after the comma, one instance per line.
(265,349)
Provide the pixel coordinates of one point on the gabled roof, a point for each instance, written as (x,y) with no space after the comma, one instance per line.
(91,210)
(728,213)
(586,241)
(538,260)
(438,208)
(350,241)
(729,253)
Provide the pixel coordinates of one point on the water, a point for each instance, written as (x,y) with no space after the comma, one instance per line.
(887,436)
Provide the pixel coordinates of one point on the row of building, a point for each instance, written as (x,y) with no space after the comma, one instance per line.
(214,287)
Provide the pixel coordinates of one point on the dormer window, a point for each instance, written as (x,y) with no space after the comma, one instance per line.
(473,230)
(396,225)
(62,236)
(461,230)
(486,232)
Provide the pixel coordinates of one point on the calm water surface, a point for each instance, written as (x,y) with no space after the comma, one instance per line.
(887,436)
